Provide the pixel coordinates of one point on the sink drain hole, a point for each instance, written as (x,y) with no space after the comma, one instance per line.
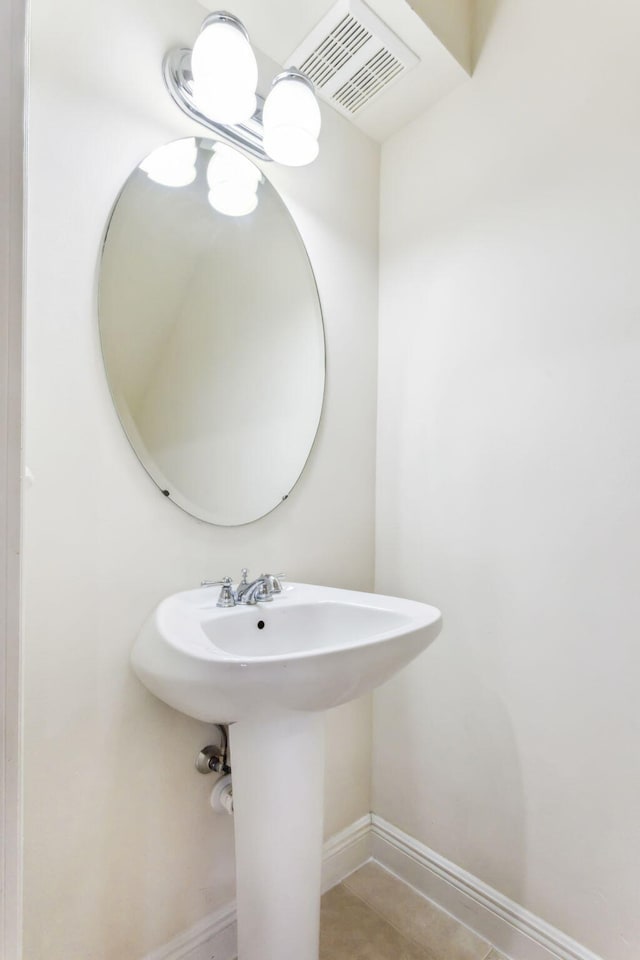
(260,624)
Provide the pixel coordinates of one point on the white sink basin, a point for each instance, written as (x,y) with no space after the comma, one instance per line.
(309,649)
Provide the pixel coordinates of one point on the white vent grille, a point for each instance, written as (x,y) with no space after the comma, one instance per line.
(368,81)
(351,56)
(335,51)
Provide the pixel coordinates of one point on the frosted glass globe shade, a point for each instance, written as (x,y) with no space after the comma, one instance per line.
(173,165)
(291,119)
(291,146)
(225,73)
(224,105)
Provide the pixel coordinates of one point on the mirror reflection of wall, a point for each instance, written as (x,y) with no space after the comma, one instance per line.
(213,343)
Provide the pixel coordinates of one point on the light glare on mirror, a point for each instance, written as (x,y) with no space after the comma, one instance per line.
(173,165)
(233,182)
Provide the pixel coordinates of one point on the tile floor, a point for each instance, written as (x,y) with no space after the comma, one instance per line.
(374,916)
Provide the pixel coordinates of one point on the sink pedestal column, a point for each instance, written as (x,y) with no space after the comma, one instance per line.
(278,799)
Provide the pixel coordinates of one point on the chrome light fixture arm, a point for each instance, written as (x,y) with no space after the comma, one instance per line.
(179,83)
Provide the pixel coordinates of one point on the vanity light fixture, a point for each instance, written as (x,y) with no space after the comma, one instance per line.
(215,84)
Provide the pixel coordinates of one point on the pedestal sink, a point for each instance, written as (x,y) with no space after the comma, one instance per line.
(270,670)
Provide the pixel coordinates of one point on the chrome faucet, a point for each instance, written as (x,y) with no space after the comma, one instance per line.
(260,590)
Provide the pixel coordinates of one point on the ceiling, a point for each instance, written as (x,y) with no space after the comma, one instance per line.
(278,27)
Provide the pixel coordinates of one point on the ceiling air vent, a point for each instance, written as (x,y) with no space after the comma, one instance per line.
(351,57)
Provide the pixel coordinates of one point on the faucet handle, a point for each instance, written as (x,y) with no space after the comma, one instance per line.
(225,582)
(273,579)
(226,598)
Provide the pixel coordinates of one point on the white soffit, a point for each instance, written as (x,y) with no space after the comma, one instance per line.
(281,28)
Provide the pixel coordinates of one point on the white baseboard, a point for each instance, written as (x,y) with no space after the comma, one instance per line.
(346,851)
(513,930)
(214,937)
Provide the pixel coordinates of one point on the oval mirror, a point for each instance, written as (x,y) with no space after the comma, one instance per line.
(211,331)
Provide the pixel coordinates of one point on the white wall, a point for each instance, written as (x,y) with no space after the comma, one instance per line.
(12,57)
(121,848)
(509,467)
